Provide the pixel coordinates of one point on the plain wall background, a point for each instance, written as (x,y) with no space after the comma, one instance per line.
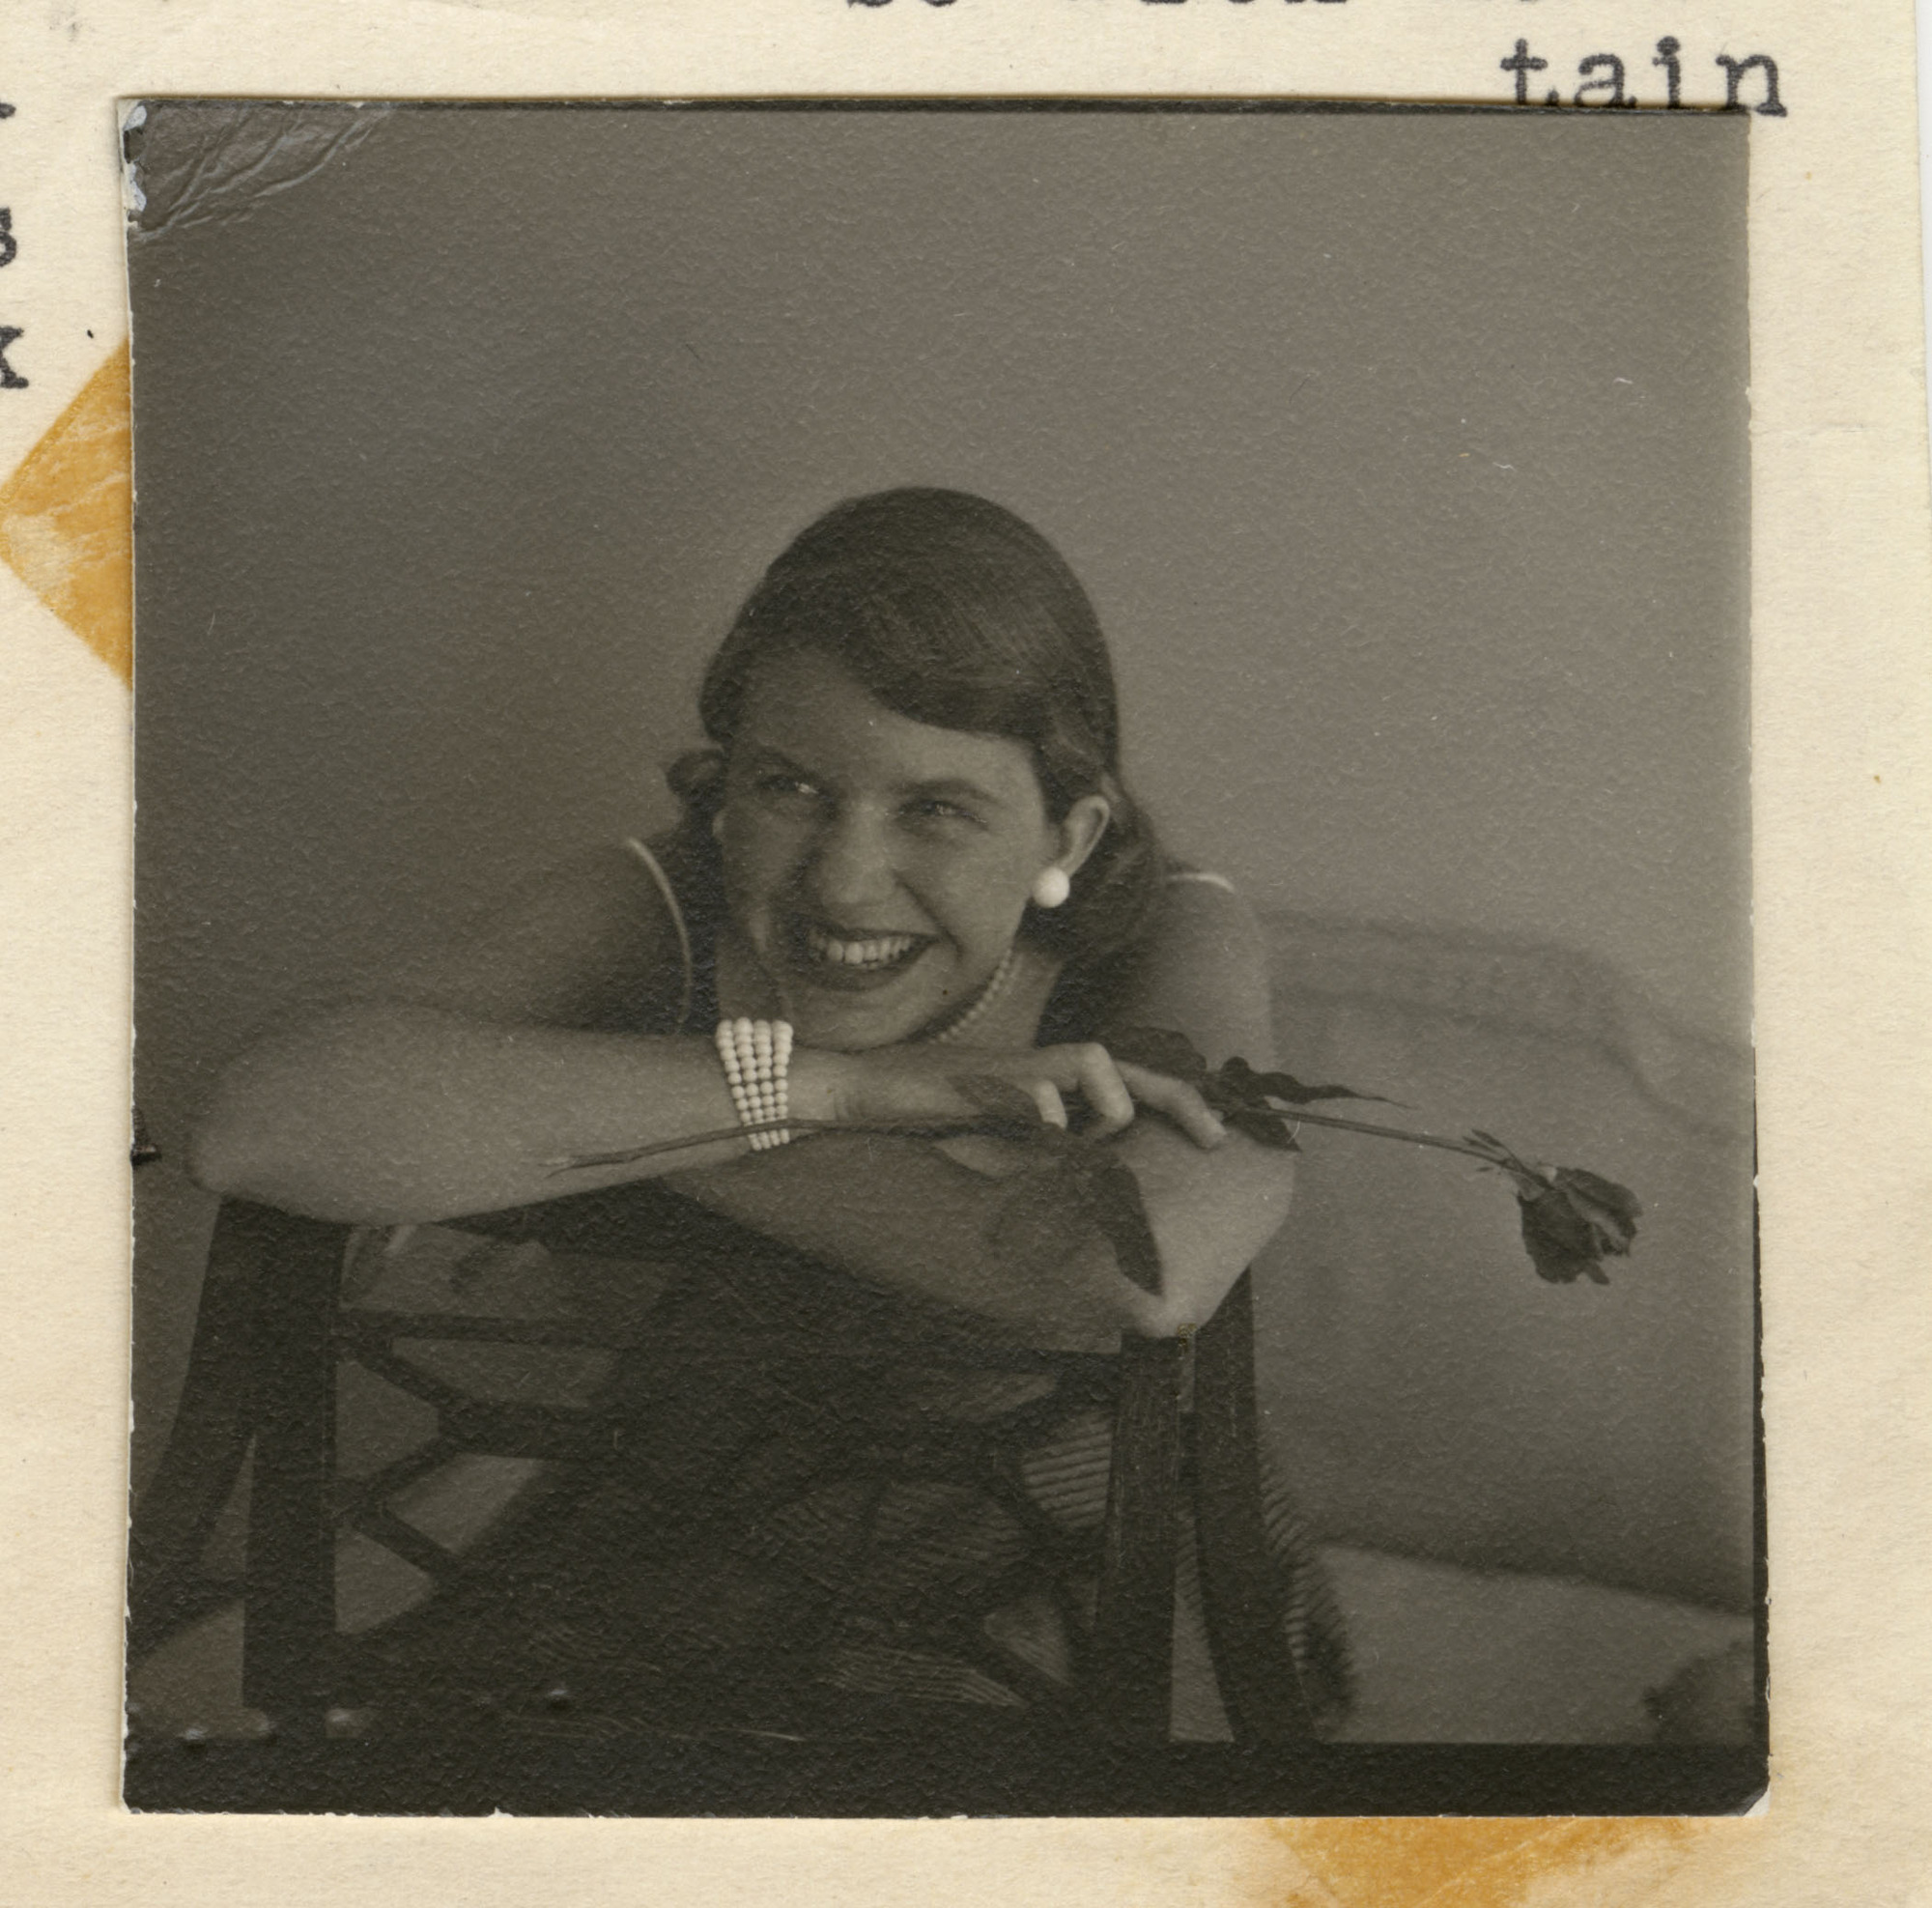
(1403,457)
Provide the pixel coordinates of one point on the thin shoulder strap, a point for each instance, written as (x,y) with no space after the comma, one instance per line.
(1206,877)
(655,869)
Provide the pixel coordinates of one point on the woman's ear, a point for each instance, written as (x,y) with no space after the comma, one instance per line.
(1081,829)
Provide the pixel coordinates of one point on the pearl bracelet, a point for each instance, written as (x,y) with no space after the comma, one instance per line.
(755,1055)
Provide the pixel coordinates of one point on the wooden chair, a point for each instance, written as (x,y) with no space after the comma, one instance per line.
(262,1378)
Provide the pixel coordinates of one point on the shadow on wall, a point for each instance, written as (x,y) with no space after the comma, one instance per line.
(1428,1392)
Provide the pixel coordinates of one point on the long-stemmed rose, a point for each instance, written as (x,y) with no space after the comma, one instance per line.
(1572,1219)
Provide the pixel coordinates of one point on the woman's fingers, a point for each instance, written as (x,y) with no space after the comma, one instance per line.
(1046,1097)
(1111,1090)
(1179,1101)
(1105,1088)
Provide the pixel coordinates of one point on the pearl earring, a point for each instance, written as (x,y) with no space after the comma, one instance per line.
(717,826)
(1051,885)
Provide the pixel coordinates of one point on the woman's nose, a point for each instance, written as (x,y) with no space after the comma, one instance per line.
(851,870)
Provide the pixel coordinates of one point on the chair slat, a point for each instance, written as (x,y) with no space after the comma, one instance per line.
(412,1545)
(363,1324)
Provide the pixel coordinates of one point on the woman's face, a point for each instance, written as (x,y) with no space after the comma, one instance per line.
(878,868)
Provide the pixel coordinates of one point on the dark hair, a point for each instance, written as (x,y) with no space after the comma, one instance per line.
(954,612)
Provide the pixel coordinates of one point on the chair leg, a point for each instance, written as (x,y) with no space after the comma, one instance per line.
(205,1447)
(1247,1631)
(289,1633)
(1132,1662)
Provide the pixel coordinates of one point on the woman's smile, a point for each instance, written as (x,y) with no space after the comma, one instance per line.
(854,959)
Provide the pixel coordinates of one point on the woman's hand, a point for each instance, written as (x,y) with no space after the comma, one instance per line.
(916,1083)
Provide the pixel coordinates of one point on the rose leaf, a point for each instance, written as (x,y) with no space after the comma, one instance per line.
(1160,1050)
(1285,1086)
(1267,1128)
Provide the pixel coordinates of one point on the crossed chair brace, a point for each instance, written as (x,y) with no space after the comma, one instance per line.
(261,1375)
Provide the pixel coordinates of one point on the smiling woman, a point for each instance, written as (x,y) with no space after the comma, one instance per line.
(908,841)
(986,746)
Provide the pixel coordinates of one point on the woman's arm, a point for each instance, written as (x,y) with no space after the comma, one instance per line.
(1210,1212)
(382,1112)
(464,1084)
(470,1082)
(909,1216)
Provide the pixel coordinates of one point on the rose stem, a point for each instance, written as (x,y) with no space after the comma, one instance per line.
(718,1134)
(1392,1134)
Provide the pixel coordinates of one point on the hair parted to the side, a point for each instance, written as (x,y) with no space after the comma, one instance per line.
(954,612)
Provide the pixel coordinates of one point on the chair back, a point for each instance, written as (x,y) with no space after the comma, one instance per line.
(262,1380)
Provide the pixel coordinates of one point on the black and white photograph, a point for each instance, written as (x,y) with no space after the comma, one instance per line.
(943,960)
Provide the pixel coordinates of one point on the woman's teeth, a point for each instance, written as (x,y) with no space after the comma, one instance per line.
(880,953)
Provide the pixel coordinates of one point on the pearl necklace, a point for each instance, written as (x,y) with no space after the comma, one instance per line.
(996,985)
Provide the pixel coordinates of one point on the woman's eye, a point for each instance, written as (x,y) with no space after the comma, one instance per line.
(935,808)
(781,785)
